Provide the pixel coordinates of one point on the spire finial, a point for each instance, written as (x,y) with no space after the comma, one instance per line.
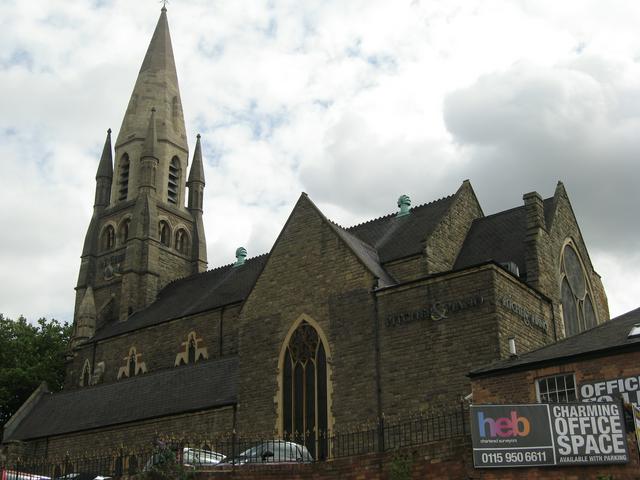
(164,5)
(108,131)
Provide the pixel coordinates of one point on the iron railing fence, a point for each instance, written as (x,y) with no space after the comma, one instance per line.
(235,450)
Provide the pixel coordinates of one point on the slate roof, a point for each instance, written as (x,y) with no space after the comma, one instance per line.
(202,386)
(601,340)
(398,237)
(191,295)
(499,237)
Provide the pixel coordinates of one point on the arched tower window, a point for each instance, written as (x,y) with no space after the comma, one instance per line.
(577,305)
(182,241)
(304,391)
(164,232)
(124,230)
(123,179)
(108,238)
(85,380)
(173,188)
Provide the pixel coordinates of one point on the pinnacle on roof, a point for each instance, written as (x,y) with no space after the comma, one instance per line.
(197,170)
(105,167)
(156,86)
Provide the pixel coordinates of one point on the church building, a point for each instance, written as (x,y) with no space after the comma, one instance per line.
(334,327)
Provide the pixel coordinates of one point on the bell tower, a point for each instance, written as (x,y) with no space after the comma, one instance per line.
(141,235)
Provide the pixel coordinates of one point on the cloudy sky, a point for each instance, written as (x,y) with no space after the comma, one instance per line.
(352,101)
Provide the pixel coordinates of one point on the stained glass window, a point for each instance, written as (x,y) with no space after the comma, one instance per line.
(304,391)
(577,306)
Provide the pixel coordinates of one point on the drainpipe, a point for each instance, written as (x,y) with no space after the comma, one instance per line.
(378,366)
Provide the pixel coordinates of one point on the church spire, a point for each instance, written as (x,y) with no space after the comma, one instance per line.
(156,86)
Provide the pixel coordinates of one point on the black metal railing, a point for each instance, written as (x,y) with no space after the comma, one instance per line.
(234,450)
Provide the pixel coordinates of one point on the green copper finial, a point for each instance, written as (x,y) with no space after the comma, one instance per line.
(241,255)
(404,202)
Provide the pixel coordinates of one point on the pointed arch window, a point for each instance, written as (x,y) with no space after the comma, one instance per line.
(182,241)
(192,350)
(124,230)
(304,391)
(164,232)
(85,379)
(123,179)
(577,305)
(173,183)
(133,365)
(108,238)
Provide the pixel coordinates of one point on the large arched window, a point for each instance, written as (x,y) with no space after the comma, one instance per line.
(577,301)
(304,391)
(173,189)
(123,179)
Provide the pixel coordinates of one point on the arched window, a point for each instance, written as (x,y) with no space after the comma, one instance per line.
(133,465)
(577,305)
(304,391)
(123,180)
(182,241)
(164,232)
(192,350)
(85,380)
(108,238)
(124,230)
(132,366)
(174,181)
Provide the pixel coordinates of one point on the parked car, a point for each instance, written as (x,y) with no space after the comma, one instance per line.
(13,475)
(191,457)
(273,451)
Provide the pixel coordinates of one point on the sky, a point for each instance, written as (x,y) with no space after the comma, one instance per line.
(354,102)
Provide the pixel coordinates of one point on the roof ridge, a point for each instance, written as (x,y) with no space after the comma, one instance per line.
(215,269)
(393,214)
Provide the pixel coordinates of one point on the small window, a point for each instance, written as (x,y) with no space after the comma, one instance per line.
(123,180)
(557,389)
(108,238)
(165,233)
(635,331)
(181,243)
(174,181)
(124,230)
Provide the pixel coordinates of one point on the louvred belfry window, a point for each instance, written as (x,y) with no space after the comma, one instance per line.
(304,385)
(123,181)
(577,305)
(174,181)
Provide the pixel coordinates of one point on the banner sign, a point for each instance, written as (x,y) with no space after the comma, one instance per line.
(548,434)
(626,388)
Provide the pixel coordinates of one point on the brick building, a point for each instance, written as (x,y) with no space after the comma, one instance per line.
(334,326)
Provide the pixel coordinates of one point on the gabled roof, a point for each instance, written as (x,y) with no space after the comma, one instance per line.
(191,295)
(604,339)
(499,237)
(202,386)
(399,237)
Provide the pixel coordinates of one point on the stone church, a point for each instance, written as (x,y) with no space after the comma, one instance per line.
(333,327)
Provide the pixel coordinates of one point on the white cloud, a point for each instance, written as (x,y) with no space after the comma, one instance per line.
(344,100)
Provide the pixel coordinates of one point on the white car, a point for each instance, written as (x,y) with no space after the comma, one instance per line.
(191,457)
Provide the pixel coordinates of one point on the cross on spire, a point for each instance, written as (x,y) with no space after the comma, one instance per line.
(164,4)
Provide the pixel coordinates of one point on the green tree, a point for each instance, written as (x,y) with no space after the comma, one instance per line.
(29,354)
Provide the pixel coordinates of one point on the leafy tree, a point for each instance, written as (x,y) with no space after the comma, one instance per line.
(29,354)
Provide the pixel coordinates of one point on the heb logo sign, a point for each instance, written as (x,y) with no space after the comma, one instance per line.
(548,434)
(512,426)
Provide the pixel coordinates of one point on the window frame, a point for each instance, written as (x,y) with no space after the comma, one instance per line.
(571,375)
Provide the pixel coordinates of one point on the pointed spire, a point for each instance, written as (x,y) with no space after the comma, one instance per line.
(197,170)
(86,317)
(151,139)
(105,167)
(156,85)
